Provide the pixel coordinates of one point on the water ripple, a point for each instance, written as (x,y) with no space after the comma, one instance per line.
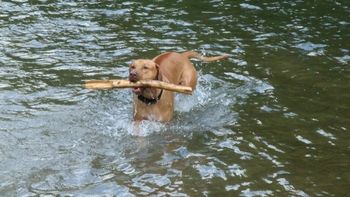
(256,123)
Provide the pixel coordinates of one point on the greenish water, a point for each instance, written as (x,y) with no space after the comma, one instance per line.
(273,120)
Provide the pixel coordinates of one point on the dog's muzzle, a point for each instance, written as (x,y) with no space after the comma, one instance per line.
(133,76)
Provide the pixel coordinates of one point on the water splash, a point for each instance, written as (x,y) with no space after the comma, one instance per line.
(208,107)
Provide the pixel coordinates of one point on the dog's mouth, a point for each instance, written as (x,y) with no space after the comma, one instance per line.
(133,79)
(136,90)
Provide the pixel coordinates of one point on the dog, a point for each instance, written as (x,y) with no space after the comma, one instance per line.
(172,67)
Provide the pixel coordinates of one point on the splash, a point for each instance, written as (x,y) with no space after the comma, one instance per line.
(210,107)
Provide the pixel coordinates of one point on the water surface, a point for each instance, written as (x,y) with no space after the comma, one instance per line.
(272,120)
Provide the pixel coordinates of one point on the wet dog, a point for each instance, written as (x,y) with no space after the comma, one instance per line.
(176,68)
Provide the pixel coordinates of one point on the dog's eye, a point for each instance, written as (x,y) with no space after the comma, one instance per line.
(145,67)
(132,67)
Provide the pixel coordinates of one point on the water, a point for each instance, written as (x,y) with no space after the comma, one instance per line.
(273,120)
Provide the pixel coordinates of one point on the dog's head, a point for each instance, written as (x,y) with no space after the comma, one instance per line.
(142,69)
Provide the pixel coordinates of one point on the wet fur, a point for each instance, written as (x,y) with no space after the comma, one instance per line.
(170,67)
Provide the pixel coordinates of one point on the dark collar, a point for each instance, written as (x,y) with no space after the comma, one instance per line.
(149,101)
(152,101)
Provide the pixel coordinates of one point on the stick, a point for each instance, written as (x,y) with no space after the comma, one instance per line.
(108,84)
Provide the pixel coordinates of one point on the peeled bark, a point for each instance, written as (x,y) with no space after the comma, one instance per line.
(109,84)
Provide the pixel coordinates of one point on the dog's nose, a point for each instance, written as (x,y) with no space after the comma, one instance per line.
(132,76)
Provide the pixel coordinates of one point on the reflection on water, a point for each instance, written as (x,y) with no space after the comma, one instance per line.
(272,120)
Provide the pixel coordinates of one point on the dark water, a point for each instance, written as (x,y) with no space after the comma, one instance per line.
(273,120)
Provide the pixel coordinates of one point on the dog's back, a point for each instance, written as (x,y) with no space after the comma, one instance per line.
(177,68)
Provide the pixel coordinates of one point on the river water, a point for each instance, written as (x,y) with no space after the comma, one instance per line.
(272,120)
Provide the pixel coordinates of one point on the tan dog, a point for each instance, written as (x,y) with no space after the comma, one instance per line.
(171,67)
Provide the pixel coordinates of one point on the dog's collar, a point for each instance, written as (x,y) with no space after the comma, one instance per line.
(149,101)
(152,101)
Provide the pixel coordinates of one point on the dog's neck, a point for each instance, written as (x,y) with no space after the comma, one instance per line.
(151,95)
(150,100)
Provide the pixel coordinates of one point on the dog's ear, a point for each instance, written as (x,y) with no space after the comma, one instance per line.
(159,76)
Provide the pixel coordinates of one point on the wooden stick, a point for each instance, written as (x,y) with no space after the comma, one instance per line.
(108,84)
